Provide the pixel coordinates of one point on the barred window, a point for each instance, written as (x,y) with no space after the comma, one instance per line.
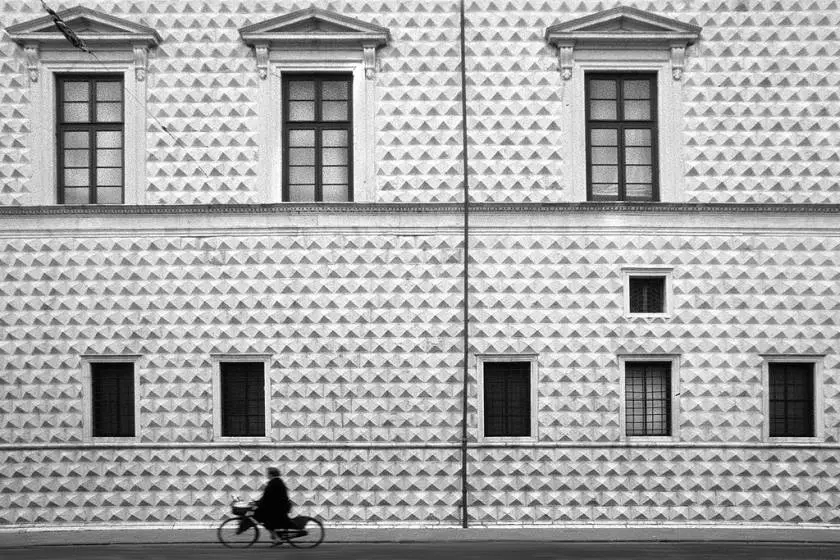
(112,399)
(791,399)
(507,399)
(90,139)
(317,128)
(621,137)
(648,398)
(242,399)
(647,294)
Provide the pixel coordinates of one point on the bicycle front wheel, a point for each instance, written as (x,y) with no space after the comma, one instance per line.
(238,532)
(309,534)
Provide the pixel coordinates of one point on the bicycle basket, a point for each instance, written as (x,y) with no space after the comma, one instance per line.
(240,508)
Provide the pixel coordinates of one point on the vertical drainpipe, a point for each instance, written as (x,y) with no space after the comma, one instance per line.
(466,372)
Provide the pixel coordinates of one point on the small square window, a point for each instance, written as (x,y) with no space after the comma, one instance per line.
(791,399)
(647,291)
(647,294)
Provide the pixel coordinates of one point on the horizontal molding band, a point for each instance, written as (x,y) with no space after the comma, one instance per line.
(439,219)
(780,446)
(426,207)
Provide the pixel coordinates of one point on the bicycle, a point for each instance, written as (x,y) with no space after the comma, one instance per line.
(242,530)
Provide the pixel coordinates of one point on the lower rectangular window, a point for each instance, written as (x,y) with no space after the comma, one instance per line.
(242,399)
(791,399)
(507,399)
(112,399)
(648,398)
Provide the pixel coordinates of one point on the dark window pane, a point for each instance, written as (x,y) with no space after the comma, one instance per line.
(334,176)
(647,398)
(109,157)
(77,177)
(109,112)
(109,195)
(647,294)
(76,196)
(336,193)
(603,110)
(334,110)
(336,91)
(602,89)
(243,398)
(302,90)
(507,399)
(604,137)
(301,193)
(636,89)
(76,112)
(301,111)
(302,138)
(76,91)
(109,91)
(112,399)
(76,140)
(76,158)
(636,110)
(109,139)
(637,137)
(108,176)
(335,138)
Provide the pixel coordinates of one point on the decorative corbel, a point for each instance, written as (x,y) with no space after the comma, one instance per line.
(141,60)
(677,61)
(567,59)
(369,54)
(32,58)
(262,60)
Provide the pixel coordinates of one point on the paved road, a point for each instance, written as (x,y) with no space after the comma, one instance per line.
(440,551)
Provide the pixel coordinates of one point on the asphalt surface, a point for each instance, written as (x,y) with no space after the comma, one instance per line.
(439,551)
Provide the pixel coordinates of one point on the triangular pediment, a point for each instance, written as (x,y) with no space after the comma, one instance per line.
(88,24)
(314,24)
(623,24)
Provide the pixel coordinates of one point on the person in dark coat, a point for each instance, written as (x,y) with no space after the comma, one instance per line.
(274,506)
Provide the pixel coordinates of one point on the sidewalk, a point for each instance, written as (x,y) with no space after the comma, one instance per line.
(16,538)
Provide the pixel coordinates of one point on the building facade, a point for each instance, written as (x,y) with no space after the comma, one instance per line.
(234,235)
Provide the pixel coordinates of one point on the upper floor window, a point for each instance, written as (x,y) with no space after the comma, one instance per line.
(89,120)
(90,139)
(621,135)
(317,127)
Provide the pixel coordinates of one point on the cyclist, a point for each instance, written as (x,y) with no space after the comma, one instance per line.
(274,505)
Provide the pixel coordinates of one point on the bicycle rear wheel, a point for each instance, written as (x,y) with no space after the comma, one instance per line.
(238,532)
(310,533)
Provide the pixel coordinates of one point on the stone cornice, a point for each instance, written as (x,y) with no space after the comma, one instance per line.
(426,208)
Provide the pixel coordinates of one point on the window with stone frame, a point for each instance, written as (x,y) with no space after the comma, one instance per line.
(243,399)
(112,399)
(318,138)
(647,387)
(507,399)
(90,128)
(621,136)
(791,399)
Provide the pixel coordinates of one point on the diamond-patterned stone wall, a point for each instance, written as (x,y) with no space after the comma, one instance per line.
(760,102)
(365,333)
